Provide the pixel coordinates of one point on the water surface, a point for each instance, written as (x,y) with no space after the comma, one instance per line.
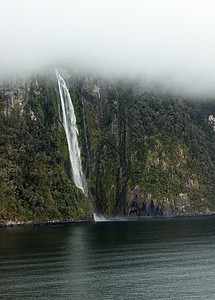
(147,259)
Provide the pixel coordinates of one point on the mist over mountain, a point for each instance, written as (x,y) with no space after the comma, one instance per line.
(167,41)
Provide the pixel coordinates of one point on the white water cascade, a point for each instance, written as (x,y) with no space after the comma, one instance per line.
(69,123)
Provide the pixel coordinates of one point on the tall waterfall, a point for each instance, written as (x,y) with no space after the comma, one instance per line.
(69,123)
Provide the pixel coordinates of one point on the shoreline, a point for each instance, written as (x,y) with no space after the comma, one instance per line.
(15,224)
(19,224)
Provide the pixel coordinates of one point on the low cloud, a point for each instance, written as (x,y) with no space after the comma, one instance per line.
(167,40)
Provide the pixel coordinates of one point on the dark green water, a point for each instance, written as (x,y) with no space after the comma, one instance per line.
(150,259)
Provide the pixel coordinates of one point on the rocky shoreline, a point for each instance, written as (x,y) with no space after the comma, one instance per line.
(11,224)
(15,224)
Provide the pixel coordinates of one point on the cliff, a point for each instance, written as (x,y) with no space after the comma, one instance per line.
(143,152)
(150,153)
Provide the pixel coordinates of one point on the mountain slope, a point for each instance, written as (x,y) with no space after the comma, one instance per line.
(35,179)
(151,154)
(143,152)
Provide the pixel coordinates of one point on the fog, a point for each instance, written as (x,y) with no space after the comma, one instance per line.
(168,40)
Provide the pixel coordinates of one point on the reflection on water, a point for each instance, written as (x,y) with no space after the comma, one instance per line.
(148,259)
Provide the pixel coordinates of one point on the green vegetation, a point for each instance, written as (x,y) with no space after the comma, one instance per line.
(35,181)
(143,153)
(162,145)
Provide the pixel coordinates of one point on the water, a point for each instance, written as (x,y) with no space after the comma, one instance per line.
(69,123)
(150,259)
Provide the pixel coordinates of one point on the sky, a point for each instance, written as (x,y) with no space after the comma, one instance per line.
(172,40)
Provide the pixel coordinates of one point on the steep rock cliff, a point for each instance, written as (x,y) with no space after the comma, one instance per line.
(144,153)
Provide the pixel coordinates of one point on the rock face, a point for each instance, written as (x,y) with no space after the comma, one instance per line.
(211,120)
(16,92)
(143,153)
(149,154)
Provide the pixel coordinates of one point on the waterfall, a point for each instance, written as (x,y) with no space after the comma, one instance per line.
(69,123)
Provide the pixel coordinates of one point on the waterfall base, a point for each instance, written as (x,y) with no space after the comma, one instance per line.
(100,218)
